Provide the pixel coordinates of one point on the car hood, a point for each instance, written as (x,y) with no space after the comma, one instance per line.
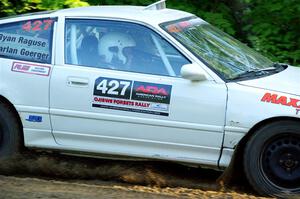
(287,81)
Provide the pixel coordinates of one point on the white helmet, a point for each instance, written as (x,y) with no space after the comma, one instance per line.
(112,47)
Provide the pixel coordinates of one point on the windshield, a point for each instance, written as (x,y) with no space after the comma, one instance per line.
(226,55)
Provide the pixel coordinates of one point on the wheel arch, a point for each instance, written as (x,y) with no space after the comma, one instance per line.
(259,125)
(235,167)
(12,108)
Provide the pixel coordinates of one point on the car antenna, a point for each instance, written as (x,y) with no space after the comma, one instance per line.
(159,5)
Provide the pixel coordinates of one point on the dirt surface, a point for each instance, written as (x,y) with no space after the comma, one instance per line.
(62,177)
(16,187)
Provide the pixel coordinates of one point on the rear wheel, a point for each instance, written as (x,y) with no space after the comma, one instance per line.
(272,159)
(10,132)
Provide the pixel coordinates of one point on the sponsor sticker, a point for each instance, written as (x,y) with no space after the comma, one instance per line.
(173,29)
(34,118)
(282,100)
(150,92)
(133,96)
(161,107)
(31,68)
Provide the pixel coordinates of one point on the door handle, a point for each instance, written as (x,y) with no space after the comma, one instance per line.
(77,81)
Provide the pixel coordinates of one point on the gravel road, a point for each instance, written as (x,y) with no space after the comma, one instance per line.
(61,177)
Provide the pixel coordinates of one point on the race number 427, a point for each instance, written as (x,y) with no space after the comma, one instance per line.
(38,25)
(112,88)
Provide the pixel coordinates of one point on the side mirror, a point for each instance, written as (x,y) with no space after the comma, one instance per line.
(192,72)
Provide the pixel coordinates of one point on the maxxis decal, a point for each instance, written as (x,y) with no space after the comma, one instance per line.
(133,96)
(282,100)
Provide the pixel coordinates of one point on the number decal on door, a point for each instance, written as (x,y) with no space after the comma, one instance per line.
(112,88)
(132,96)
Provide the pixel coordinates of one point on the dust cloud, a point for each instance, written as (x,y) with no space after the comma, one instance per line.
(160,174)
(146,173)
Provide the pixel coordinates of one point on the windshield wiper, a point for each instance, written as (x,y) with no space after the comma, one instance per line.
(279,67)
(251,73)
(275,68)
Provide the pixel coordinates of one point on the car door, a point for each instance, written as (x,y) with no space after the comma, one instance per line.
(26,63)
(119,91)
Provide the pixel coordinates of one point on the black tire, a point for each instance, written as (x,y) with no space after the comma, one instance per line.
(272,159)
(10,131)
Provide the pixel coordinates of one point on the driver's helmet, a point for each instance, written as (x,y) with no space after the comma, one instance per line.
(114,48)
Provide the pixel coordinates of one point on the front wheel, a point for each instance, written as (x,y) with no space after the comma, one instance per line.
(272,159)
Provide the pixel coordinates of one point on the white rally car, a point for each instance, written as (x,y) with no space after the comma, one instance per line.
(148,82)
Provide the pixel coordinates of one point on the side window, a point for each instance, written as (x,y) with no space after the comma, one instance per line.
(120,46)
(29,40)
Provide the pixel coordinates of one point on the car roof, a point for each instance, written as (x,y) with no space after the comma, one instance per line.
(134,13)
(138,13)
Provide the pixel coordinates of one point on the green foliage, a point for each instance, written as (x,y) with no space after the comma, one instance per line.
(58,4)
(6,8)
(272,27)
(10,7)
